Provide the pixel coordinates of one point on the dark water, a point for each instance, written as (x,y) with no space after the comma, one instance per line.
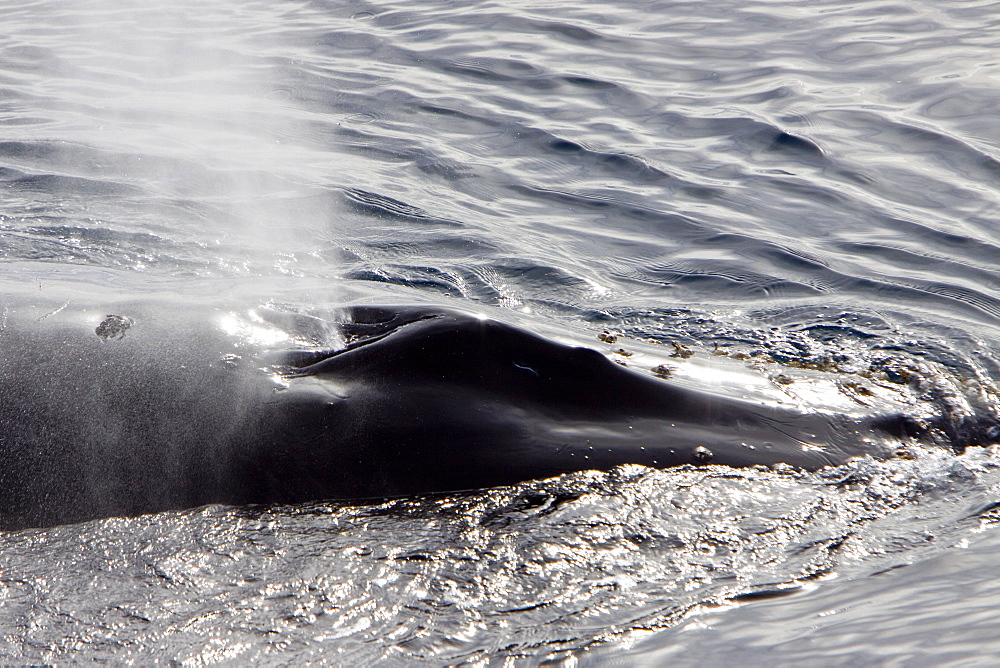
(809,188)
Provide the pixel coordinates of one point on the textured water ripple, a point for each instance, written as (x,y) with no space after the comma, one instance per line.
(798,186)
(840,140)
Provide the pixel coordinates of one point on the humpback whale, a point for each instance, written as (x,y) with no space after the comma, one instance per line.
(155,409)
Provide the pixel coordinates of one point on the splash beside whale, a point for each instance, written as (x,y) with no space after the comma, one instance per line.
(162,411)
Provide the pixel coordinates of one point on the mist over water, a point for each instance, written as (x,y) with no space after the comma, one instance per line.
(167,142)
(809,190)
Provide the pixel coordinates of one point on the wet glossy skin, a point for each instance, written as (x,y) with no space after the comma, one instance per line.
(433,400)
(421,400)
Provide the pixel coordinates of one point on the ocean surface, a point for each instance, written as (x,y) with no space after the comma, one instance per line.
(808,191)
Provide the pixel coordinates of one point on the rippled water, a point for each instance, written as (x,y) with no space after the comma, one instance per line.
(813,186)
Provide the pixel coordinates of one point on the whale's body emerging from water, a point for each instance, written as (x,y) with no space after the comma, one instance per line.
(169,413)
